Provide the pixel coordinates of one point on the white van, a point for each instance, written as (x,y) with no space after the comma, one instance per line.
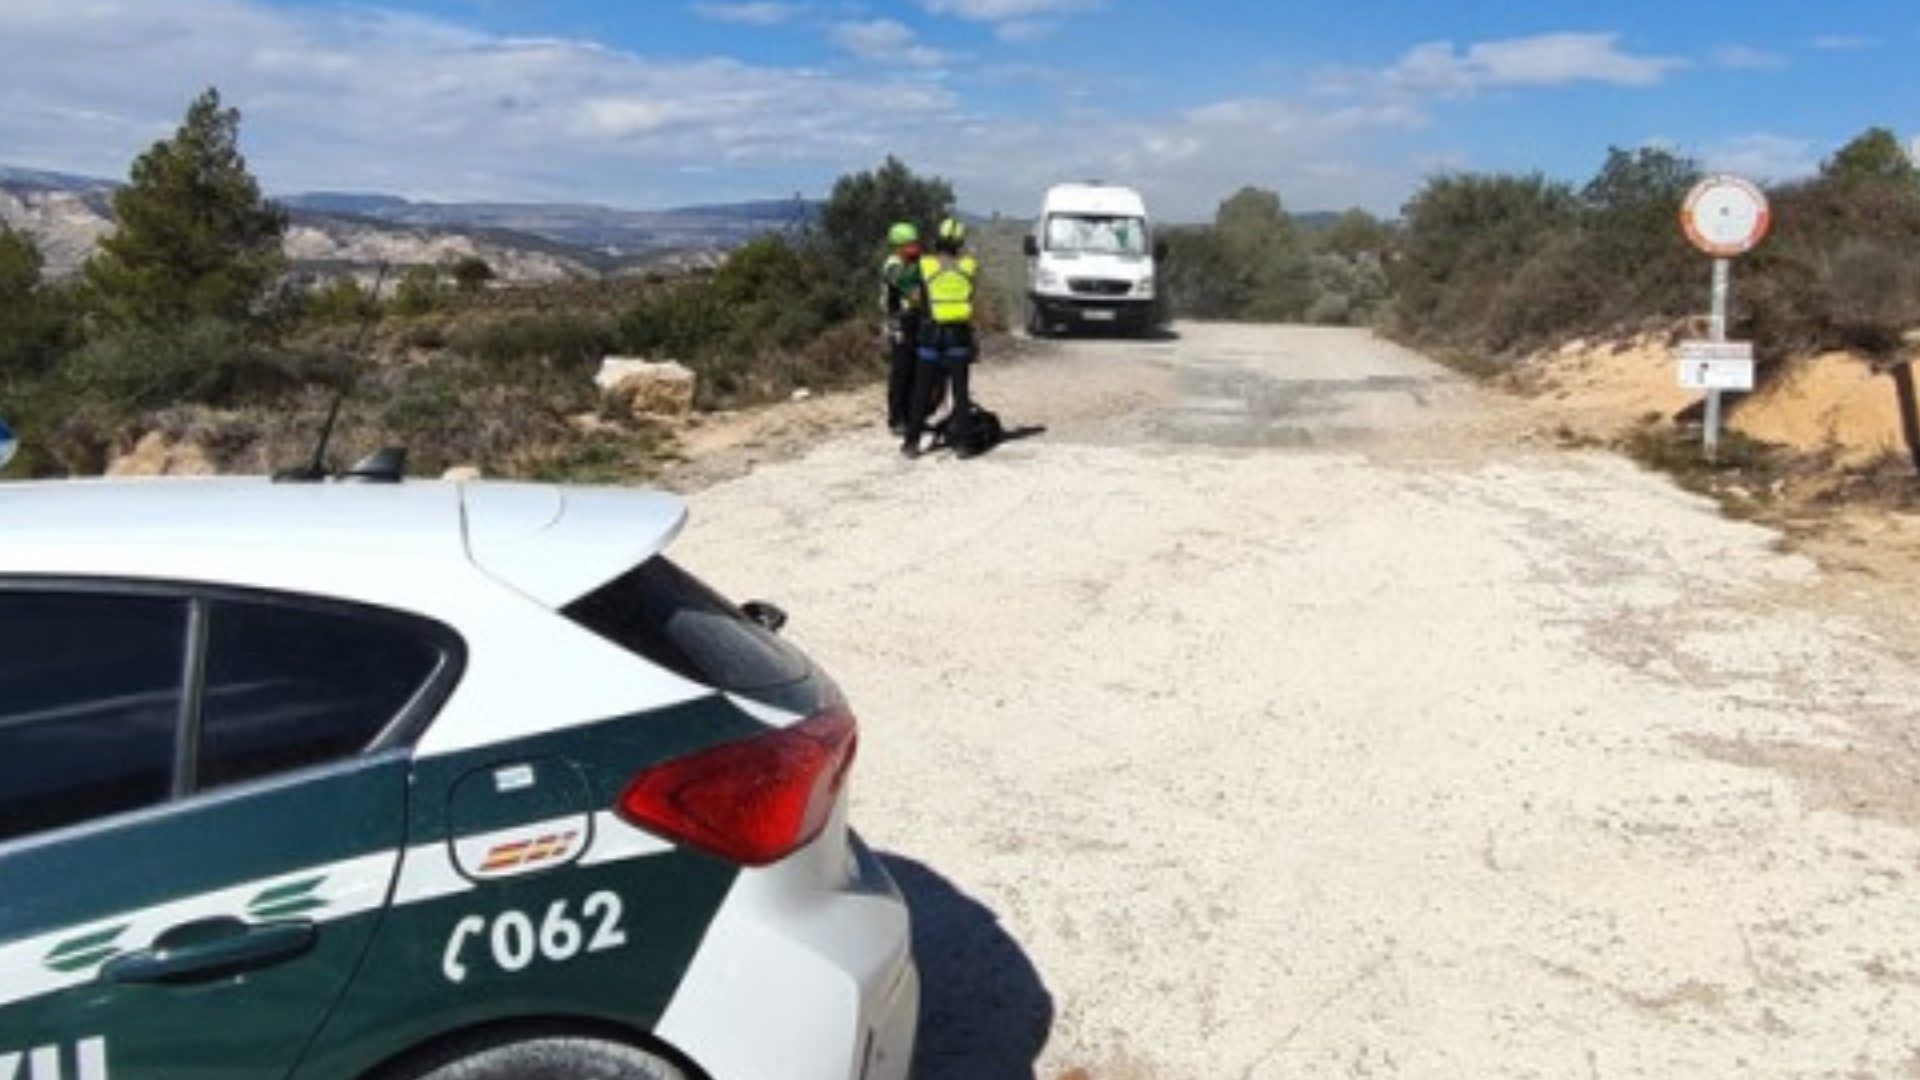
(1090,261)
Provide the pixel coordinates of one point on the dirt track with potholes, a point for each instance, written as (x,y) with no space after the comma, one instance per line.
(1279,713)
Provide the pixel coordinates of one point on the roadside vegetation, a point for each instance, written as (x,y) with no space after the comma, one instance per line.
(1504,264)
(1577,294)
(1495,266)
(182,333)
(1257,263)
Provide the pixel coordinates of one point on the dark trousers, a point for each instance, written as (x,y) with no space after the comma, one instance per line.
(946,354)
(903,362)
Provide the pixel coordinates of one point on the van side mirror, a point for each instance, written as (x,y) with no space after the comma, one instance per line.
(768,616)
(1159,251)
(1031,246)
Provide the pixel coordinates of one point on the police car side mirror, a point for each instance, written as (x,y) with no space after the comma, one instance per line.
(1031,246)
(769,616)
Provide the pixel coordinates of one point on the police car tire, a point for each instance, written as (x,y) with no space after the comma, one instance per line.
(556,1059)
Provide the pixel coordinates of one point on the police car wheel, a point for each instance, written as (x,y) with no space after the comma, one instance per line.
(556,1059)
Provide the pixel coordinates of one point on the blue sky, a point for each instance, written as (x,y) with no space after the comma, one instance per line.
(670,102)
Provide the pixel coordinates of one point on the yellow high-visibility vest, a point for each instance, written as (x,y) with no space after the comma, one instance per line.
(949,285)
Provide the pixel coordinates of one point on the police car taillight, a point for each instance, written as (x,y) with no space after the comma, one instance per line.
(755,801)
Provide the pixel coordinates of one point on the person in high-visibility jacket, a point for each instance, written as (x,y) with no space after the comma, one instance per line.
(900,300)
(948,280)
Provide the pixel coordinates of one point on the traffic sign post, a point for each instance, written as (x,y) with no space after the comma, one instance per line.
(1725,217)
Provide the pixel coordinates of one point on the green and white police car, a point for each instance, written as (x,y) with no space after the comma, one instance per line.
(418,780)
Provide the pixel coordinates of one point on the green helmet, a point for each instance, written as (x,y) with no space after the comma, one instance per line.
(902,234)
(952,231)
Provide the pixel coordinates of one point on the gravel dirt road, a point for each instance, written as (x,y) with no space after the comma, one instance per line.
(1280,712)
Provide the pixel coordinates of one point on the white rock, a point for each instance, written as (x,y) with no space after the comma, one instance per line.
(646,387)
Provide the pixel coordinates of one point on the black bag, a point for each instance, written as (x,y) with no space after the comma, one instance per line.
(983,434)
(986,432)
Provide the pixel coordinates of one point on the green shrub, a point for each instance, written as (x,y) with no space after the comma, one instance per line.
(1347,289)
(341,301)
(740,329)
(207,360)
(36,320)
(600,458)
(1512,263)
(563,341)
(420,292)
(73,414)
(1465,237)
(471,273)
(459,411)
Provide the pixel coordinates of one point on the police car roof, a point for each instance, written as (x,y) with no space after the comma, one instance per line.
(552,543)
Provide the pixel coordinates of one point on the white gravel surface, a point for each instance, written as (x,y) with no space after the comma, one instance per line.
(1290,721)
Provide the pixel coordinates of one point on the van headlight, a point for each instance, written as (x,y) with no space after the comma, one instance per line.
(1047,280)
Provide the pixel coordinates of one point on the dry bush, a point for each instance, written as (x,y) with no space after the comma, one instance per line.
(1872,292)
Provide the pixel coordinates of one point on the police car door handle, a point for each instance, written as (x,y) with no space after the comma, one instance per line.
(212,949)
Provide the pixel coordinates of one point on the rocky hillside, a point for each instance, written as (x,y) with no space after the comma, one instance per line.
(608,232)
(332,235)
(322,246)
(65,215)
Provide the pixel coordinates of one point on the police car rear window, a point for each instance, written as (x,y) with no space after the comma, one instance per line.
(666,615)
(94,712)
(290,686)
(89,703)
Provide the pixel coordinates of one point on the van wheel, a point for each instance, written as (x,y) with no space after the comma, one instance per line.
(555,1059)
(1036,322)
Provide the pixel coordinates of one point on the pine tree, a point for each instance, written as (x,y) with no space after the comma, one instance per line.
(195,239)
(853,223)
(30,322)
(1264,253)
(1874,156)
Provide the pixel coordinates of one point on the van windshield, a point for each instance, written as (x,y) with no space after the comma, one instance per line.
(1097,234)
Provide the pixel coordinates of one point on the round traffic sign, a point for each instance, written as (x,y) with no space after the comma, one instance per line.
(1726,216)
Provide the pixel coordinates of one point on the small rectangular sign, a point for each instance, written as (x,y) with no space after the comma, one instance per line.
(1716,374)
(1702,351)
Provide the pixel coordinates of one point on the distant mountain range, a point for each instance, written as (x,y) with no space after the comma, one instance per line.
(332,233)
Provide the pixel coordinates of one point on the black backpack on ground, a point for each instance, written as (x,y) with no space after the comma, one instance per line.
(983,434)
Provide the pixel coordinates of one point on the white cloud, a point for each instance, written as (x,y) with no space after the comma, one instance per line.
(1186,162)
(887,41)
(1441,68)
(1004,10)
(1747,58)
(1025,31)
(1763,156)
(359,99)
(1015,22)
(754,13)
(490,117)
(1841,43)
(356,99)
